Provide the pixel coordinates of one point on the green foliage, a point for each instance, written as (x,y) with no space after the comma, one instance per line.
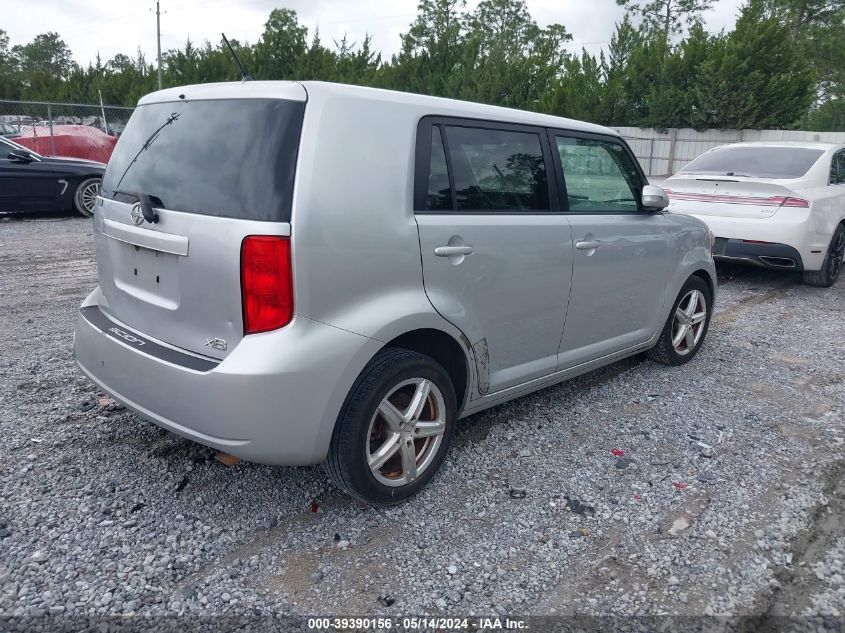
(754,77)
(9,79)
(829,115)
(667,17)
(817,29)
(782,66)
(433,51)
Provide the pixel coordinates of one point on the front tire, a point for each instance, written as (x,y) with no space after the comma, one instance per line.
(394,428)
(832,264)
(85,196)
(686,326)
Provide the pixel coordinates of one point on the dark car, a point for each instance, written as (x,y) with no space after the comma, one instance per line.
(31,182)
(9,129)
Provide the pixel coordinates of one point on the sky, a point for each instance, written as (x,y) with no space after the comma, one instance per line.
(123,26)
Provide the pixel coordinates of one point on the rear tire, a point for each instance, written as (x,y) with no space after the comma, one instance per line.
(686,326)
(85,196)
(832,264)
(394,428)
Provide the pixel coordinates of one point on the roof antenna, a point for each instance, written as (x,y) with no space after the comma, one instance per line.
(245,76)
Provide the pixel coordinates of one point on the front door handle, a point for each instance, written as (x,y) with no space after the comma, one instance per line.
(587,245)
(452,251)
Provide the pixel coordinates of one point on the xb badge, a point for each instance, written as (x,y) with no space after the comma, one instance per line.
(216,343)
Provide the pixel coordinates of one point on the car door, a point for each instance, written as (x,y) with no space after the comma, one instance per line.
(26,185)
(496,251)
(621,254)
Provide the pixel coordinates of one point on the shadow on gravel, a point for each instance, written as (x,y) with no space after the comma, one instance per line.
(6,216)
(476,428)
(726,273)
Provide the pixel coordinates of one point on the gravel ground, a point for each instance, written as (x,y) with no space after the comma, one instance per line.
(728,499)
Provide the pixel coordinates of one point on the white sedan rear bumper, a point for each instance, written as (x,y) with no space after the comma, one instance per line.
(792,228)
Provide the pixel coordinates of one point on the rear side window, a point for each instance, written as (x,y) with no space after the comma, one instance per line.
(600,176)
(837,168)
(231,158)
(439,195)
(497,170)
(764,161)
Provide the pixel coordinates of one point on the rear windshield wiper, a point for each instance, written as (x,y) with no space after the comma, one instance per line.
(152,137)
(144,201)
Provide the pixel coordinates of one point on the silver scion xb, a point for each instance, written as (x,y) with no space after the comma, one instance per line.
(297,273)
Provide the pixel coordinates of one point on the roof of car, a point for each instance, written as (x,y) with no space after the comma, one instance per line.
(805,144)
(320,89)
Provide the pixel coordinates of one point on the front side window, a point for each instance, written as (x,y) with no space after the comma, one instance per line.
(7,145)
(600,176)
(497,170)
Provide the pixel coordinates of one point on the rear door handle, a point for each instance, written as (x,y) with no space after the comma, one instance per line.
(452,251)
(587,245)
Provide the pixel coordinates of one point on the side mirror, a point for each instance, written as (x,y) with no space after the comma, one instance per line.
(654,198)
(20,156)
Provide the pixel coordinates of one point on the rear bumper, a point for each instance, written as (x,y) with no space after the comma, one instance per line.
(766,255)
(788,234)
(274,399)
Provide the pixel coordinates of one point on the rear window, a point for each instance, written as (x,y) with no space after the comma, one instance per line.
(231,158)
(756,162)
(497,170)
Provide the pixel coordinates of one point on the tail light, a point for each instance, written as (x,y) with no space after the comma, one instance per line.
(771,201)
(266,283)
(796,202)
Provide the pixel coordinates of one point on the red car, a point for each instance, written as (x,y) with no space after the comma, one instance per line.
(76,141)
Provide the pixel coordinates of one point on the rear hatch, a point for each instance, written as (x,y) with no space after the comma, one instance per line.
(734,197)
(215,170)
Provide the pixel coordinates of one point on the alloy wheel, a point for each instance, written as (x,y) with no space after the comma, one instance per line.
(405,432)
(88,196)
(689,321)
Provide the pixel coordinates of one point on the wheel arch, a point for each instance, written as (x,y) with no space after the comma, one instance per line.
(446,350)
(74,180)
(708,279)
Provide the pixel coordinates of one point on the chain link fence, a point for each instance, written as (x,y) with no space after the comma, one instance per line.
(74,130)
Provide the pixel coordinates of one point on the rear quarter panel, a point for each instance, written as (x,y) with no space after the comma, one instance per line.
(354,237)
(827,205)
(826,212)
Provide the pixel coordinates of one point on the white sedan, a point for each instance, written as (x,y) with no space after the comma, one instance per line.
(772,204)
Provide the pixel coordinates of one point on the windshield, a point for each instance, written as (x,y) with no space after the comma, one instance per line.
(13,145)
(756,162)
(228,157)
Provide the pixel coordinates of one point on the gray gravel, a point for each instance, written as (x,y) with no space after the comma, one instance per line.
(727,500)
